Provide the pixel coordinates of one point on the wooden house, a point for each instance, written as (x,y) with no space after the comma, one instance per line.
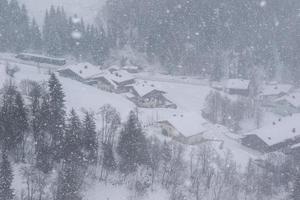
(273,91)
(148,96)
(277,136)
(79,72)
(112,81)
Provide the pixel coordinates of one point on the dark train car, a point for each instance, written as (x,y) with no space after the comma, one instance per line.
(41,59)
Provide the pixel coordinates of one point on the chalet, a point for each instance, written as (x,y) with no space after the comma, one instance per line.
(279,135)
(182,126)
(148,96)
(237,87)
(79,72)
(102,83)
(292,98)
(286,105)
(112,81)
(272,91)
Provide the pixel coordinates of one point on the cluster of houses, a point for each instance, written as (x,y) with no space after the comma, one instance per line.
(120,81)
(283,100)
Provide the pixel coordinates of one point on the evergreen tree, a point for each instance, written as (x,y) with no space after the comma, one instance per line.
(132,146)
(73,148)
(21,123)
(90,138)
(6,178)
(13,118)
(69,183)
(109,162)
(57,115)
(296,188)
(36,42)
(4,19)
(42,136)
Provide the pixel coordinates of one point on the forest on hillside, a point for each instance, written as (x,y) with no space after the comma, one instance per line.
(216,39)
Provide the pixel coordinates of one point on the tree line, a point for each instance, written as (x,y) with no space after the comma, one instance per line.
(217,39)
(60,35)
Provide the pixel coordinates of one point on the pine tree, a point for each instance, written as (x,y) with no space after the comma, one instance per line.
(296,188)
(4,15)
(90,138)
(6,178)
(57,115)
(132,146)
(36,42)
(42,134)
(109,162)
(69,183)
(73,148)
(23,30)
(13,118)
(21,123)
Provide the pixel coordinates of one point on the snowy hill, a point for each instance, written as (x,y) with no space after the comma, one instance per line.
(189,98)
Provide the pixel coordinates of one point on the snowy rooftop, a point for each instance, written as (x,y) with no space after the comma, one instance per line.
(130,67)
(240,84)
(275,89)
(280,130)
(84,70)
(119,76)
(292,98)
(188,124)
(143,88)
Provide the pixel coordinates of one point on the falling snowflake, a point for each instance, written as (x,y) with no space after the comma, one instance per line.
(75,20)
(76,35)
(263,3)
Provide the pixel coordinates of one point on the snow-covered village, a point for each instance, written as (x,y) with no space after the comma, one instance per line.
(149,100)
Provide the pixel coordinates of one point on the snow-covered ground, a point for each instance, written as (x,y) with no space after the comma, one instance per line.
(189,98)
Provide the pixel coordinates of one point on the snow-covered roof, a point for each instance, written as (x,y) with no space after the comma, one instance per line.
(119,76)
(292,98)
(84,70)
(279,131)
(240,84)
(275,89)
(143,88)
(188,124)
(130,67)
